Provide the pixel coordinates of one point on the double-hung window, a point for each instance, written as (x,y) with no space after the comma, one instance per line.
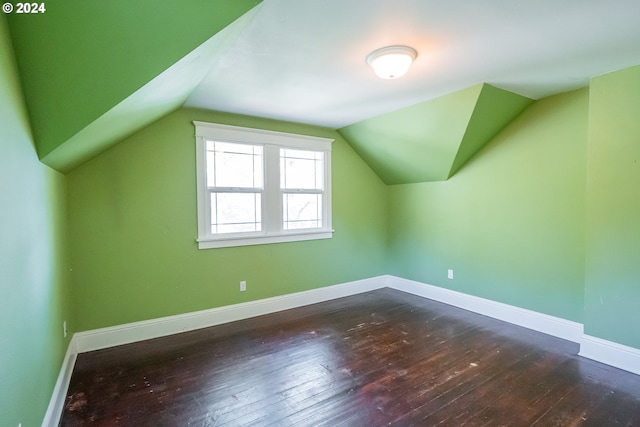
(257,186)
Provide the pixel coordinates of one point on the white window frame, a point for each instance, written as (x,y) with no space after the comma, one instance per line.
(272,227)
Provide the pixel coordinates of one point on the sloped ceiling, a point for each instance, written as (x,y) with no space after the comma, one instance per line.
(432,140)
(94,71)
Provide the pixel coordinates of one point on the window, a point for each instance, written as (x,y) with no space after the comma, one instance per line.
(234,186)
(302,186)
(257,186)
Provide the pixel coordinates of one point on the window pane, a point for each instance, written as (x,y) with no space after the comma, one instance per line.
(301,169)
(234,165)
(302,211)
(236,212)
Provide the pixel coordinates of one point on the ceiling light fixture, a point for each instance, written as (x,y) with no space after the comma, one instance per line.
(391,62)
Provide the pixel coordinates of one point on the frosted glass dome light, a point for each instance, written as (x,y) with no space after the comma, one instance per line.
(391,62)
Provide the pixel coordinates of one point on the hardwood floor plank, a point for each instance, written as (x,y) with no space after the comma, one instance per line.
(453,402)
(374,359)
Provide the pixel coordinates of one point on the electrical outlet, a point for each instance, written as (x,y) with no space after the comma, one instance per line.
(243,286)
(450,274)
(64,328)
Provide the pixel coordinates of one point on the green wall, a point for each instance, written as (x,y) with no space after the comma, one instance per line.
(33,296)
(133,228)
(511,222)
(612,290)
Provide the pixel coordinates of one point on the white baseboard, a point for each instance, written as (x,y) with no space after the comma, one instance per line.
(544,323)
(58,397)
(610,353)
(607,352)
(132,332)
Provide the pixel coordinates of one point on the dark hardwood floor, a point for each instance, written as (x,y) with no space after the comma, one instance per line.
(374,359)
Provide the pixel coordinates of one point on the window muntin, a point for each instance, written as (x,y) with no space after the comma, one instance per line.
(302,211)
(235,212)
(234,165)
(301,169)
(257,186)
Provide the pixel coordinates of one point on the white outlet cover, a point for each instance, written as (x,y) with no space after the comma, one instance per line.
(450,274)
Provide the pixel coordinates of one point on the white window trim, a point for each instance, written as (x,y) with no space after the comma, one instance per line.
(273,233)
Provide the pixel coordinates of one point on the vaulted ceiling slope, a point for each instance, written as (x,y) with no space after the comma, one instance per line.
(95,71)
(432,140)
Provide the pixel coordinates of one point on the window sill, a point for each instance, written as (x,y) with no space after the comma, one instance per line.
(228,242)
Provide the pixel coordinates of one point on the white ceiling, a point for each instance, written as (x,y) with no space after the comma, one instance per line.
(304,60)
